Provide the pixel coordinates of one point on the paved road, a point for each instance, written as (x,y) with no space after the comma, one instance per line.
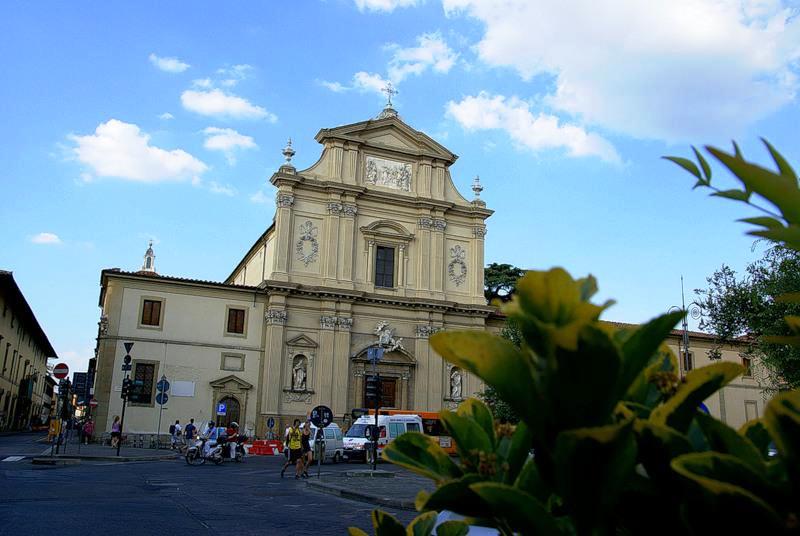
(166,497)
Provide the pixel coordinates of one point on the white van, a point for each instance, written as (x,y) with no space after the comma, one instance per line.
(391,426)
(334,445)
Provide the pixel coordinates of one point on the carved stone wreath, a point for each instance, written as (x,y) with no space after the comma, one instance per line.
(457,269)
(307,252)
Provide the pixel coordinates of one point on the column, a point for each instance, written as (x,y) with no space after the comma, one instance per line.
(424,255)
(401,266)
(283,233)
(437,256)
(341,366)
(347,237)
(476,266)
(324,368)
(370,262)
(332,241)
(272,381)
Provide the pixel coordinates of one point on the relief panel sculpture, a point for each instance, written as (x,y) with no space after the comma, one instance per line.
(388,173)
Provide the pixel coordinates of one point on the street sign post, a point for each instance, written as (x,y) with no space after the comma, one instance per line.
(126,383)
(161,399)
(61,371)
(93,403)
(222,409)
(163,384)
(321,417)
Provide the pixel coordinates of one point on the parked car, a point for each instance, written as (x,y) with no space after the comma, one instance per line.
(356,445)
(334,444)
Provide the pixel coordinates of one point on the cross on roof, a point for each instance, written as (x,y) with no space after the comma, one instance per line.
(389,90)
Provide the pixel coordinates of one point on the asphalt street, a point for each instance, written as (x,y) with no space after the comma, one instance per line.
(165,497)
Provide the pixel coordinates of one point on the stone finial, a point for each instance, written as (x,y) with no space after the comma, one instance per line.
(477,188)
(288,153)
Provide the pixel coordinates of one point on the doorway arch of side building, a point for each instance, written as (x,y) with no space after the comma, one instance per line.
(233,392)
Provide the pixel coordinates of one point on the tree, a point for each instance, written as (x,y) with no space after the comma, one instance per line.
(501,409)
(499,281)
(752,306)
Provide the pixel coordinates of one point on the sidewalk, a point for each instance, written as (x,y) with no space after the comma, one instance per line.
(397,492)
(97,452)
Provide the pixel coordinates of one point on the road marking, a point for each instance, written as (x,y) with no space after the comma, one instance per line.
(14,458)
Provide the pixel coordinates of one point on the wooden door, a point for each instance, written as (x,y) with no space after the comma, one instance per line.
(388,393)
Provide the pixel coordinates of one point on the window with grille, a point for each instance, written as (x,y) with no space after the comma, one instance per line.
(236,321)
(384,267)
(145,373)
(688,361)
(151,313)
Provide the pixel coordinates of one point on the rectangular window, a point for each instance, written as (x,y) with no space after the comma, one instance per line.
(412,427)
(151,313)
(236,321)
(384,267)
(232,362)
(750,410)
(144,373)
(747,363)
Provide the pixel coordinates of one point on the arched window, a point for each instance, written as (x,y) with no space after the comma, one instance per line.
(231,411)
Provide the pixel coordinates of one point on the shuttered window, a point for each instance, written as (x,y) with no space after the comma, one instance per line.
(151,313)
(236,321)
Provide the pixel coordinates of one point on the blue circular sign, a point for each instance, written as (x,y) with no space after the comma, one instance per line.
(162,385)
(270,423)
(161,398)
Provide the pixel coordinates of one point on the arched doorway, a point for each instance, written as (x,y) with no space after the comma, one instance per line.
(231,411)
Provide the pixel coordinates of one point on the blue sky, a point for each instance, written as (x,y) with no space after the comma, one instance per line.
(129,121)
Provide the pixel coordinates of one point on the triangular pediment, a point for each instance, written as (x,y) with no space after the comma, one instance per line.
(303,341)
(390,134)
(227,380)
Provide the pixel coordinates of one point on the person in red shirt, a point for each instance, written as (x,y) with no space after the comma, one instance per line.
(232,433)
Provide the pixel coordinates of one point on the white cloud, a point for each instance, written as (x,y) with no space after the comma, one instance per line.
(673,70)
(171,65)
(535,132)
(431,51)
(217,103)
(384,5)
(119,149)
(235,74)
(336,87)
(369,82)
(222,189)
(46,238)
(202,83)
(228,141)
(261,198)
(166,116)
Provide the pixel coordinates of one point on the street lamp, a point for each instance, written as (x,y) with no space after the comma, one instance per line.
(683,350)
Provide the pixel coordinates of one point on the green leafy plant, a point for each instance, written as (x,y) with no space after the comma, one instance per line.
(610,439)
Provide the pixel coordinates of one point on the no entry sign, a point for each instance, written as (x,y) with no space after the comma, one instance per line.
(93,403)
(61,371)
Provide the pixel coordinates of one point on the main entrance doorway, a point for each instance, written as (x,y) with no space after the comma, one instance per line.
(388,393)
(231,412)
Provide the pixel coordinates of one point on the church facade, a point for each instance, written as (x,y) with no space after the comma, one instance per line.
(371,243)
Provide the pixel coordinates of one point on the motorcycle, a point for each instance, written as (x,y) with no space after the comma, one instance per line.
(195,455)
(238,444)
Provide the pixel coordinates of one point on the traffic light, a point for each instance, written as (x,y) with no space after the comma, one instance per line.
(126,388)
(373,391)
(136,394)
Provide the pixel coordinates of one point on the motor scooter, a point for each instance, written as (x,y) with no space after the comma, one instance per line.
(195,454)
(238,444)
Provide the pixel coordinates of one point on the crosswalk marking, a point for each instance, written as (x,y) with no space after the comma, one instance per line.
(13,458)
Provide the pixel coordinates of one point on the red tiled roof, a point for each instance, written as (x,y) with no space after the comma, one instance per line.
(153,275)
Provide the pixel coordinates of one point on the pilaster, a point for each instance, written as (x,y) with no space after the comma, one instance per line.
(283,226)
(274,340)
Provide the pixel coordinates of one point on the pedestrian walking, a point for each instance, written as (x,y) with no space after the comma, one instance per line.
(88,430)
(116,432)
(287,462)
(175,433)
(295,449)
(305,447)
(188,432)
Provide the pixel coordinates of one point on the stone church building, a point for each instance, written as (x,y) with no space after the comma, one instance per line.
(372,241)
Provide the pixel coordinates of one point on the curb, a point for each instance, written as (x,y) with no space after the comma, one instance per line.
(87,458)
(54,461)
(403,504)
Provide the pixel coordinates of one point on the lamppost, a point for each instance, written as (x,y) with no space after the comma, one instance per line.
(684,363)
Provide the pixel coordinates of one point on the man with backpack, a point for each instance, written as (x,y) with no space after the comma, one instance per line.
(175,433)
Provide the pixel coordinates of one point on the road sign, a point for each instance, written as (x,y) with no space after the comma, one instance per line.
(61,371)
(128,346)
(127,359)
(222,409)
(161,398)
(375,354)
(126,367)
(93,403)
(321,416)
(162,385)
(270,423)
(372,432)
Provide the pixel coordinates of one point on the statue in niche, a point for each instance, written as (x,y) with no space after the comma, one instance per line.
(299,374)
(455,384)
